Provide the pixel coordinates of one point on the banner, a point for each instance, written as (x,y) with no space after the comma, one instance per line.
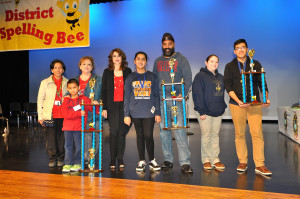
(43,24)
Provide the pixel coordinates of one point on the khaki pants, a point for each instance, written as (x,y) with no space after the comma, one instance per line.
(239,118)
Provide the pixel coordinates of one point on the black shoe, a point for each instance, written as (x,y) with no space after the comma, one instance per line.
(186,168)
(167,165)
(121,164)
(112,165)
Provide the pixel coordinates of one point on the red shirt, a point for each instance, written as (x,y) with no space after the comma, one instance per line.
(82,85)
(56,110)
(72,118)
(118,88)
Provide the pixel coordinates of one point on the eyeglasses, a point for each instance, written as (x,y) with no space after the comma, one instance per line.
(241,48)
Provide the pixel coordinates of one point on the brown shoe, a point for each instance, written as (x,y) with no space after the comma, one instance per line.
(219,165)
(207,166)
(263,170)
(242,167)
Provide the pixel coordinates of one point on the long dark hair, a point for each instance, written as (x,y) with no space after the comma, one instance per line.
(124,63)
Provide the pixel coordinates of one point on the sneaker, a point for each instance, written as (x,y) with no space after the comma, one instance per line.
(167,165)
(242,167)
(121,164)
(75,167)
(52,164)
(263,170)
(153,165)
(67,168)
(207,166)
(219,165)
(60,163)
(186,168)
(141,165)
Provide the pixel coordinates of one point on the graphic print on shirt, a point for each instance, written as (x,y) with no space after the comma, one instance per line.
(142,91)
(219,85)
(164,66)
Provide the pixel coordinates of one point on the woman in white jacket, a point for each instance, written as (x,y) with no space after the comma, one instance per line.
(51,92)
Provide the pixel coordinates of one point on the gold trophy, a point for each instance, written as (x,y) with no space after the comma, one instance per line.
(92,83)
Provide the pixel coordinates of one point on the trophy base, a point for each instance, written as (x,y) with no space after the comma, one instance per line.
(170,128)
(90,171)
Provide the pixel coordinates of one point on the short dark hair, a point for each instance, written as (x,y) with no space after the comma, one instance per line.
(141,52)
(57,61)
(240,41)
(210,56)
(73,81)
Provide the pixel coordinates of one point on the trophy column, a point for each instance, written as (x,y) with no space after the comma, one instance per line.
(173,98)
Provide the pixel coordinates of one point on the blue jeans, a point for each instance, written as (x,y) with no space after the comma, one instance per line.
(180,135)
(69,137)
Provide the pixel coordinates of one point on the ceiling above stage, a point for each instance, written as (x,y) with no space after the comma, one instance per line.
(103,1)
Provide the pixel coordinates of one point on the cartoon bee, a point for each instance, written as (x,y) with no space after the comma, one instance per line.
(17,3)
(70,7)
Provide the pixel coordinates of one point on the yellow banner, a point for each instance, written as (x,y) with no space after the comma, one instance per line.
(43,24)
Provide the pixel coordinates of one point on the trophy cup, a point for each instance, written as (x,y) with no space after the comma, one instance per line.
(92,130)
(173,99)
(251,73)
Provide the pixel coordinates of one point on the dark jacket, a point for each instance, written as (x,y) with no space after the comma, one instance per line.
(208,93)
(233,77)
(107,91)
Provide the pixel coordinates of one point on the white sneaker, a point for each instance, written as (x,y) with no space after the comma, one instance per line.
(141,165)
(153,165)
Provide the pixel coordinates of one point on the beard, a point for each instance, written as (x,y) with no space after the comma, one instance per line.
(168,52)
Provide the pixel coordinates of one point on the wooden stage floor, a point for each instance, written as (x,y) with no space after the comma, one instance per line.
(16,184)
(24,171)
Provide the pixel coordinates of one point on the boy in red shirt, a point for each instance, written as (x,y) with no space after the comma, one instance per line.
(71,110)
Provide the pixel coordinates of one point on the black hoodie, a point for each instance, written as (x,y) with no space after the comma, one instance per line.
(208,93)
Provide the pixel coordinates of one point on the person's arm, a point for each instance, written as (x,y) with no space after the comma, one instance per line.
(40,101)
(155,90)
(104,94)
(199,96)
(187,76)
(69,112)
(127,94)
(98,88)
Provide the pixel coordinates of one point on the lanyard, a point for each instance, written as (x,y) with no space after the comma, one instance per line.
(244,67)
(57,93)
(142,84)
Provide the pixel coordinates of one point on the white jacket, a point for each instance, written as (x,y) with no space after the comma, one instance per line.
(46,97)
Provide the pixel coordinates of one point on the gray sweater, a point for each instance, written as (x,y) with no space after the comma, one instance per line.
(182,69)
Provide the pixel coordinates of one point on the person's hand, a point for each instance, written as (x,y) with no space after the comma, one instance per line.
(82,113)
(179,96)
(95,102)
(157,119)
(202,117)
(266,105)
(104,113)
(127,120)
(42,122)
(242,105)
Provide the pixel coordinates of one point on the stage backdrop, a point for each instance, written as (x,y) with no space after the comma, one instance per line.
(200,28)
(40,24)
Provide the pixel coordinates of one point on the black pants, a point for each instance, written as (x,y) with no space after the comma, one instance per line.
(56,141)
(118,131)
(144,133)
